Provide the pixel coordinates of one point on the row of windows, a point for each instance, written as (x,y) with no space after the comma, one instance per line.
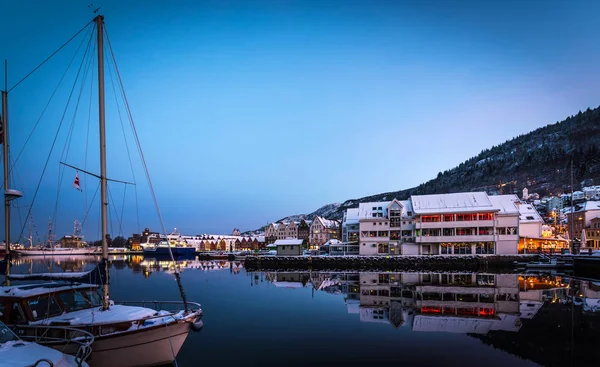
(457,217)
(466,248)
(467,231)
(442,279)
(394,222)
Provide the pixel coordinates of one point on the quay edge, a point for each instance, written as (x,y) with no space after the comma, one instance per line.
(428,262)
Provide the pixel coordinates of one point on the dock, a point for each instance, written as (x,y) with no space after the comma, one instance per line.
(424,262)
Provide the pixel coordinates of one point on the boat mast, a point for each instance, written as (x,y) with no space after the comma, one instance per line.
(572,219)
(4,137)
(103,199)
(6,167)
(6,160)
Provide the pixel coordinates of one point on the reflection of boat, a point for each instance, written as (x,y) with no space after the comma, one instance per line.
(162,249)
(17,352)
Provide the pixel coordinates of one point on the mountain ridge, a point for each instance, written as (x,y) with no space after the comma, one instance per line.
(539,160)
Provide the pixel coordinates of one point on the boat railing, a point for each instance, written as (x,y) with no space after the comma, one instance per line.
(169,306)
(71,340)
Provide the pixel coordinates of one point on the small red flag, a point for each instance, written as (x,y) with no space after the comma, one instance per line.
(76,182)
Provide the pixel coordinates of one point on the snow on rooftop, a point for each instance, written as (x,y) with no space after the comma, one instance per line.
(456,202)
(372,209)
(505,203)
(351,216)
(592,205)
(328,223)
(290,241)
(528,213)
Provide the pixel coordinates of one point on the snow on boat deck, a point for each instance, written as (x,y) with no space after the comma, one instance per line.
(31,290)
(115,314)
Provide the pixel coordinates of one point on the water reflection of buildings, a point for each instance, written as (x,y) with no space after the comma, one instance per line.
(151,265)
(460,303)
(446,302)
(551,320)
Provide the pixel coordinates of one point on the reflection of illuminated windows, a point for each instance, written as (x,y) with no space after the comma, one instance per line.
(485,279)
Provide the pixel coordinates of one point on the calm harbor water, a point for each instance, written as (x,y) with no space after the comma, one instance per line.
(364,319)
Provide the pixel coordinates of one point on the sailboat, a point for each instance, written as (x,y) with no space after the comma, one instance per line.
(76,246)
(27,350)
(126,334)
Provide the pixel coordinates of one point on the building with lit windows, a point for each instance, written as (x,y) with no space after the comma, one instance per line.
(466,223)
(323,230)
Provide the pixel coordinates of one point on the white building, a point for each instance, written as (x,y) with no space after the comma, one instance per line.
(466,223)
(530,221)
(591,192)
(386,228)
(350,226)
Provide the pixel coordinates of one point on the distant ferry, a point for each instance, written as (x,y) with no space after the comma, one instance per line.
(162,249)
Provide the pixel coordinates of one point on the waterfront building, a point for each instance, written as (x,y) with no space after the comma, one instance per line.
(304,229)
(466,223)
(386,228)
(323,230)
(592,234)
(581,217)
(271,233)
(72,241)
(289,247)
(134,242)
(287,230)
(350,226)
(530,221)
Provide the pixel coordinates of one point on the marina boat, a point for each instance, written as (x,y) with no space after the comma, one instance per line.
(57,251)
(165,248)
(73,245)
(16,352)
(126,334)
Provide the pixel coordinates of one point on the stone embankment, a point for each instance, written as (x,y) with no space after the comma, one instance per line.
(433,262)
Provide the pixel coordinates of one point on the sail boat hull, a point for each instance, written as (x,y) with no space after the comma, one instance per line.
(146,347)
(58,251)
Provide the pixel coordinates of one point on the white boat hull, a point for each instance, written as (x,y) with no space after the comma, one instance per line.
(58,251)
(150,347)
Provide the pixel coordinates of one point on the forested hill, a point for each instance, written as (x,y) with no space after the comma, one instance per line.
(539,160)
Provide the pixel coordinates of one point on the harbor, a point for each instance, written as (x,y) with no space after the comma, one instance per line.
(269,183)
(371,309)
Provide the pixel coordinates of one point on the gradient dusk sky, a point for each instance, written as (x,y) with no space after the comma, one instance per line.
(249,111)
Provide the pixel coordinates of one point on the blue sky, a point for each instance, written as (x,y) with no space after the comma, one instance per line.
(252,110)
